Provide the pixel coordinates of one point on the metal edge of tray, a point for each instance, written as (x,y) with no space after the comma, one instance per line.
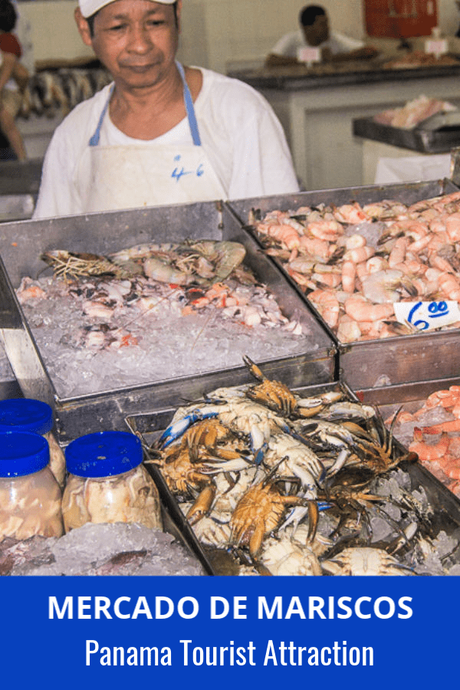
(436,141)
(401,359)
(20,347)
(107,411)
(445,503)
(174,521)
(408,192)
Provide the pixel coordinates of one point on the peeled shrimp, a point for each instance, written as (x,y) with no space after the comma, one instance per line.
(360,309)
(382,286)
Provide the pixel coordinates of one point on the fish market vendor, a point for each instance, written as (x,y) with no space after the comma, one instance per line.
(314,32)
(160,133)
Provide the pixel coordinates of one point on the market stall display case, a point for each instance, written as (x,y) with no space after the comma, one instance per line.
(440,514)
(21,246)
(372,364)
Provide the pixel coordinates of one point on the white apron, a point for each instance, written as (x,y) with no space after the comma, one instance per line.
(124,177)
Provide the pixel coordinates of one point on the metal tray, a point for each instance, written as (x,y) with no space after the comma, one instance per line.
(149,424)
(374,363)
(423,141)
(21,245)
(410,397)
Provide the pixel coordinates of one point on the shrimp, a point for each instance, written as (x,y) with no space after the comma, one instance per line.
(320,250)
(453,227)
(359,254)
(383,286)
(348,330)
(429,452)
(450,426)
(440,263)
(348,276)
(328,230)
(355,241)
(450,286)
(331,280)
(398,252)
(28,289)
(283,233)
(327,304)
(375,263)
(350,213)
(360,309)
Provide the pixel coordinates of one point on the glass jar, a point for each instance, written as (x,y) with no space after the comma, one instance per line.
(107,482)
(30,497)
(26,414)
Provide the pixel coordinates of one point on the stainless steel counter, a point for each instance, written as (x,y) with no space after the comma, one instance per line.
(300,78)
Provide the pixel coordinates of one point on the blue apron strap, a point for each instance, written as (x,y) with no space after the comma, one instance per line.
(94,141)
(189,108)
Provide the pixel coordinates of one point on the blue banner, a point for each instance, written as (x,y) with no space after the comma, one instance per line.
(120,632)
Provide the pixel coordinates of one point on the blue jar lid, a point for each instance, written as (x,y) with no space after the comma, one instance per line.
(25,414)
(22,452)
(103,454)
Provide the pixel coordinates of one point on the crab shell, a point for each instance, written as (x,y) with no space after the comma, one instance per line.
(365,561)
(259,512)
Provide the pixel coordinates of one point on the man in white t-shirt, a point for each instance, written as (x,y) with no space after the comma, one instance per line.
(314,32)
(161,133)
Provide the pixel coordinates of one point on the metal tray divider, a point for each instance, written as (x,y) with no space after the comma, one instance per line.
(20,347)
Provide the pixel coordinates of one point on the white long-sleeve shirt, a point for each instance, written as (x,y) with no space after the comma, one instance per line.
(239,132)
(337,43)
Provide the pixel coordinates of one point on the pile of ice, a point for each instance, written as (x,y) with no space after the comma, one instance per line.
(99,549)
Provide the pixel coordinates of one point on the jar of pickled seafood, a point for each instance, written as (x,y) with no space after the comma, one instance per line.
(26,414)
(108,482)
(30,497)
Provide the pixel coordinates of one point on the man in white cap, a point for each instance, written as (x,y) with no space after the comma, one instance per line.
(160,134)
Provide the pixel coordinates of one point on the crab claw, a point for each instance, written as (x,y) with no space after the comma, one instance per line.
(177,429)
(202,505)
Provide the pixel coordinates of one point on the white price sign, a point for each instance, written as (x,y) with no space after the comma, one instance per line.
(426,316)
(308,54)
(436,47)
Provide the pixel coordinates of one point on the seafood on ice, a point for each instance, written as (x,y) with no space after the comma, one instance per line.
(144,281)
(433,432)
(105,323)
(355,262)
(413,112)
(285,494)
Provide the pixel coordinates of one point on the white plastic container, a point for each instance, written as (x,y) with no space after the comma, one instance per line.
(107,482)
(27,414)
(30,497)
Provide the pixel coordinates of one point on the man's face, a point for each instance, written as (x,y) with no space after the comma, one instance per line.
(136,40)
(318,32)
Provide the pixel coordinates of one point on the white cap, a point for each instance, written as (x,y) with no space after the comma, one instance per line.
(90,7)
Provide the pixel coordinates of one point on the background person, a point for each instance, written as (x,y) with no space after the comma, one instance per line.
(13,79)
(160,134)
(314,32)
